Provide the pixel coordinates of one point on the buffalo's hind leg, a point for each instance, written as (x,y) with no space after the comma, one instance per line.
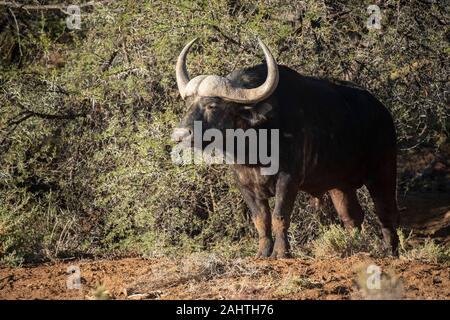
(382,188)
(260,211)
(347,206)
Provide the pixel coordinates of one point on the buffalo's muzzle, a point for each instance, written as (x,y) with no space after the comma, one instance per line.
(180,134)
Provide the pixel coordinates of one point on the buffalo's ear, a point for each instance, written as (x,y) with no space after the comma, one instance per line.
(256,114)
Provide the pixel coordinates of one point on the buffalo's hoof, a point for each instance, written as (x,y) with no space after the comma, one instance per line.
(262,254)
(280,254)
(391,252)
(265,248)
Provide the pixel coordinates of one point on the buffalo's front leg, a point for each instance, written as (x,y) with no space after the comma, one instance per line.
(286,192)
(261,218)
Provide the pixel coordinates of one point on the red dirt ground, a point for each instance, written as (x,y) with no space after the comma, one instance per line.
(254,279)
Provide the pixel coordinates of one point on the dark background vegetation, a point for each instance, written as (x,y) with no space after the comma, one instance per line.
(86,115)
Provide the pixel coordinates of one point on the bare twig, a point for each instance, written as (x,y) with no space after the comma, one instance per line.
(105,66)
(220,31)
(62,7)
(18,31)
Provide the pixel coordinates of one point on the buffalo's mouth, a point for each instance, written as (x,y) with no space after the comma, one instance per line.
(182,135)
(185,137)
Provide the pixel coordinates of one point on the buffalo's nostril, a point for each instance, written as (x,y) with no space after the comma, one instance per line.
(180,134)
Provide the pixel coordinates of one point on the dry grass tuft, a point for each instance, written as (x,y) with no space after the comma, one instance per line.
(197,267)
(100,293)
(336,241)
(293,284)
(428,251)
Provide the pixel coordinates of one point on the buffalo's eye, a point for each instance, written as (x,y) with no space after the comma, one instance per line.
(211,106)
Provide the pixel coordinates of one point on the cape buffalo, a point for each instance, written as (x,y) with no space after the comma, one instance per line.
(334,137)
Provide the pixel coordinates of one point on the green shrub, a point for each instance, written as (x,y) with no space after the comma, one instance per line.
(86,115)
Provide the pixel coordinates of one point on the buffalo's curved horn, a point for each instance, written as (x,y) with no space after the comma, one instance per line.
(214,86)
(181,71)
(260,93)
